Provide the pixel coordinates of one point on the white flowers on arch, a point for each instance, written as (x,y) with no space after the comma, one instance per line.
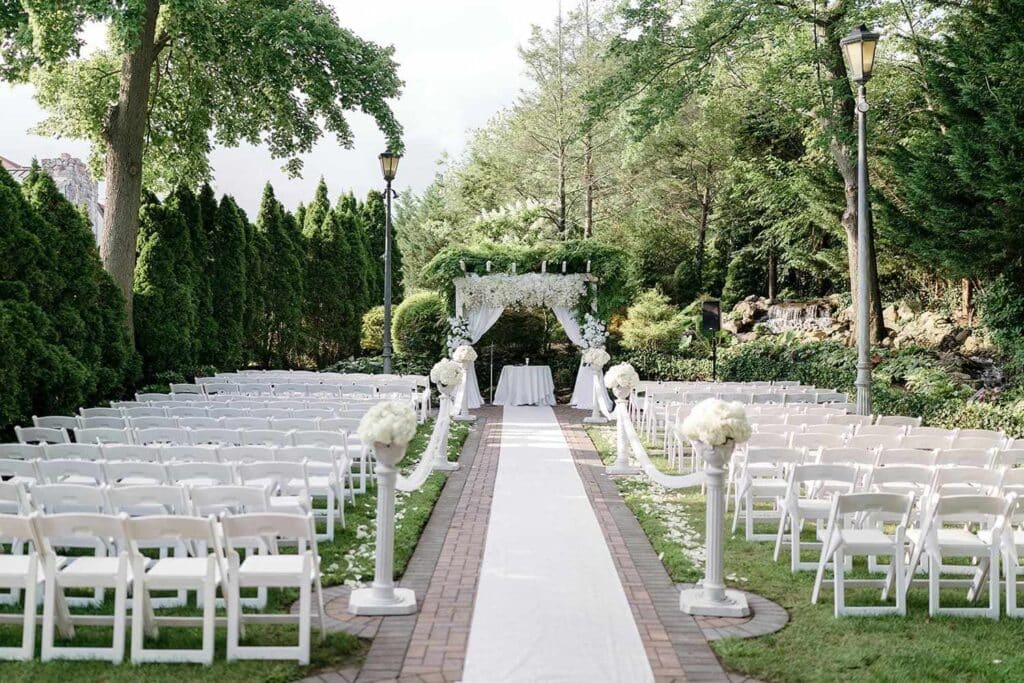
(527,290)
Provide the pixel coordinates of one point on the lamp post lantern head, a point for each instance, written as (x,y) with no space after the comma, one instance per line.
(859,52)
(389,165)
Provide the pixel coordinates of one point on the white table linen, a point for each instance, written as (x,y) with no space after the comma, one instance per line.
(525,385)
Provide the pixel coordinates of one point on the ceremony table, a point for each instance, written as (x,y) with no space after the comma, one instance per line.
(525,385)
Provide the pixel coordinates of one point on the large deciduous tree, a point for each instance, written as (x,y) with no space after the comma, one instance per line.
(179,76)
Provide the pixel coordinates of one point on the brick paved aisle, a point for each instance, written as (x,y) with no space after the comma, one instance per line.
(445,569)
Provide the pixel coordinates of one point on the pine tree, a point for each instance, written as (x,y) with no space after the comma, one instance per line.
(254,313)
(228,282)
(165,311)
(207,331)
(195,259)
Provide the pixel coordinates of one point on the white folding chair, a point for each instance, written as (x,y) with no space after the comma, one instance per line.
(200,473)
(810,421)
(199,422)
(99,573)
(898,420)
(301,570)
(189,411)
(762,477)
(99,412)
(856,526)
(1009,457)
(161,436)
(938,432)
(947,532)
(816,440)
(881,430)
(41,435)
(152,422)
(85,472)
(808,499)
(851,420)
(240,454)
(181,388)
(905,456)
(287,483)
(966,457)
(926,442)
(201,571)
(102,422)
(977,442)
(169,454)
(286,424)
(21,570)
(134,473)
(219,412)
(324,478)
(22,472)
(144,411)
(874,441)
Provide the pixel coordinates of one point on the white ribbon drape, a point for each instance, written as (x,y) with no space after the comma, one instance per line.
(438,442)
(582,392)
(480,320)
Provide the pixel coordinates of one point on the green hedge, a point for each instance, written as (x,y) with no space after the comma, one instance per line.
(420,327)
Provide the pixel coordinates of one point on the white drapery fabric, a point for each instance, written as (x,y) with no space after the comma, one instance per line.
(582,392)
(480,320)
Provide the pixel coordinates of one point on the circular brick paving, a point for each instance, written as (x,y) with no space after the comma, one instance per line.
(768,617)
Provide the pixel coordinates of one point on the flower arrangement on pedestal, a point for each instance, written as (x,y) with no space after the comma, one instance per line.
(716,422)
(621,379)
(446,374)
(596,358)
(464,354)
(391,423)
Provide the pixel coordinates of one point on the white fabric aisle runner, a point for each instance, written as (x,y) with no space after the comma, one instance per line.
(550,606)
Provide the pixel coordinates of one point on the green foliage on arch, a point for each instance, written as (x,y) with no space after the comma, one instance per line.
(608,263)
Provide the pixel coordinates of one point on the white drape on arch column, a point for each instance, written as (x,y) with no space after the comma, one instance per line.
(480,320)
(583,390)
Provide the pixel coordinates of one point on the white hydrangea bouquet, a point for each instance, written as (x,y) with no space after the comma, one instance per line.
(596,357)
(595,333)
(716,422)
(446,373)
(458,334)
(621,378)
(464,354)
(392,423)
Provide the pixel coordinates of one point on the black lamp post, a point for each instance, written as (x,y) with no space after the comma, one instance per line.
(388,167)
(859,52)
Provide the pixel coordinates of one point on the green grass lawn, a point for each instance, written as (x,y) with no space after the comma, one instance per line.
(347,559)
(816,646)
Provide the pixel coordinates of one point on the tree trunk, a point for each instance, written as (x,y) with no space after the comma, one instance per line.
(588,181)
(702,235)
(772,276)
(967,300)
(563,224)
(124,133)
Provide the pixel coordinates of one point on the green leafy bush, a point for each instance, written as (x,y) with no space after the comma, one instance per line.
(667,367)
(420,327)
(652,324)
(371,337)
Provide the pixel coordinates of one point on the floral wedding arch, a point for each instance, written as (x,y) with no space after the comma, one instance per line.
(482,282)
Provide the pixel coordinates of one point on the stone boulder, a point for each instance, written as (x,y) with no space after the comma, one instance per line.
(746,314)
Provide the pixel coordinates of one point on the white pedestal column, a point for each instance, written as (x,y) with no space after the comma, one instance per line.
(383,599)
(621,465)
(596,418)
(441,461)
(711,598)
(463,414)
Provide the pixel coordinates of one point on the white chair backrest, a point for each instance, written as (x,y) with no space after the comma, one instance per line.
(981,479)
(189,411)
(774,456)
(92,527)
(898,420)
(874,441)
(1010,457)
(149,411)
(245,423)
(57,471)
(233,498)
(20,526)
(186,389)
(217,437)
(103,435)
(20,470)
(200,473)
(133,472)
(54,499)
(266,437)
(879,507)
(170,454)
(313,413)
(815,440)
(838,429)
(297,423)
(280,472)
(965,457)
(846,455)
(919,477)
(852,420)
(199,422)
(99,412)
(969,509)
(173,436)
(21,451)
(925,442)
(157,499)
(977,442)
(227,412)
(68,422)
(240,454)
(905,456)
(881,430)
(255,389)
(321,438)
(41,435)
(271,525)
(806,419)
(72,451)
(151,422)
(130,452)
(103,422)
(938,432)
(767,440)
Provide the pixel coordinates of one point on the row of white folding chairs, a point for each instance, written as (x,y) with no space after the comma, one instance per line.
(279,422)
(263,389)
(978,527)
(759,474)
(228,401)
(184,436)
(217,410)
(309,376)
(291,476)
(206,559)
(890,436)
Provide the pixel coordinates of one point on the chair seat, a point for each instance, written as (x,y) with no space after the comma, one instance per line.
(288,504)
(959,540)
(866,540)
(16,567)
(180,568)
(814,509)
(92,567)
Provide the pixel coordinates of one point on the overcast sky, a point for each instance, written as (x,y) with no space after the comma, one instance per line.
(460,65)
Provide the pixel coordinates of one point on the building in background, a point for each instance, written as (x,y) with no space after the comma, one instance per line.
(73,180)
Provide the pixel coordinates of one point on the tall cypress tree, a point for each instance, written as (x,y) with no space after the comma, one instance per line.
(281,319)
(330,307)
(165,311)
(202,253)
(356,233)
(254,313)
(195,260)
(228,282)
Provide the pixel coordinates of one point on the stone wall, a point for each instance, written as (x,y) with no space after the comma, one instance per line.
(73,180)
